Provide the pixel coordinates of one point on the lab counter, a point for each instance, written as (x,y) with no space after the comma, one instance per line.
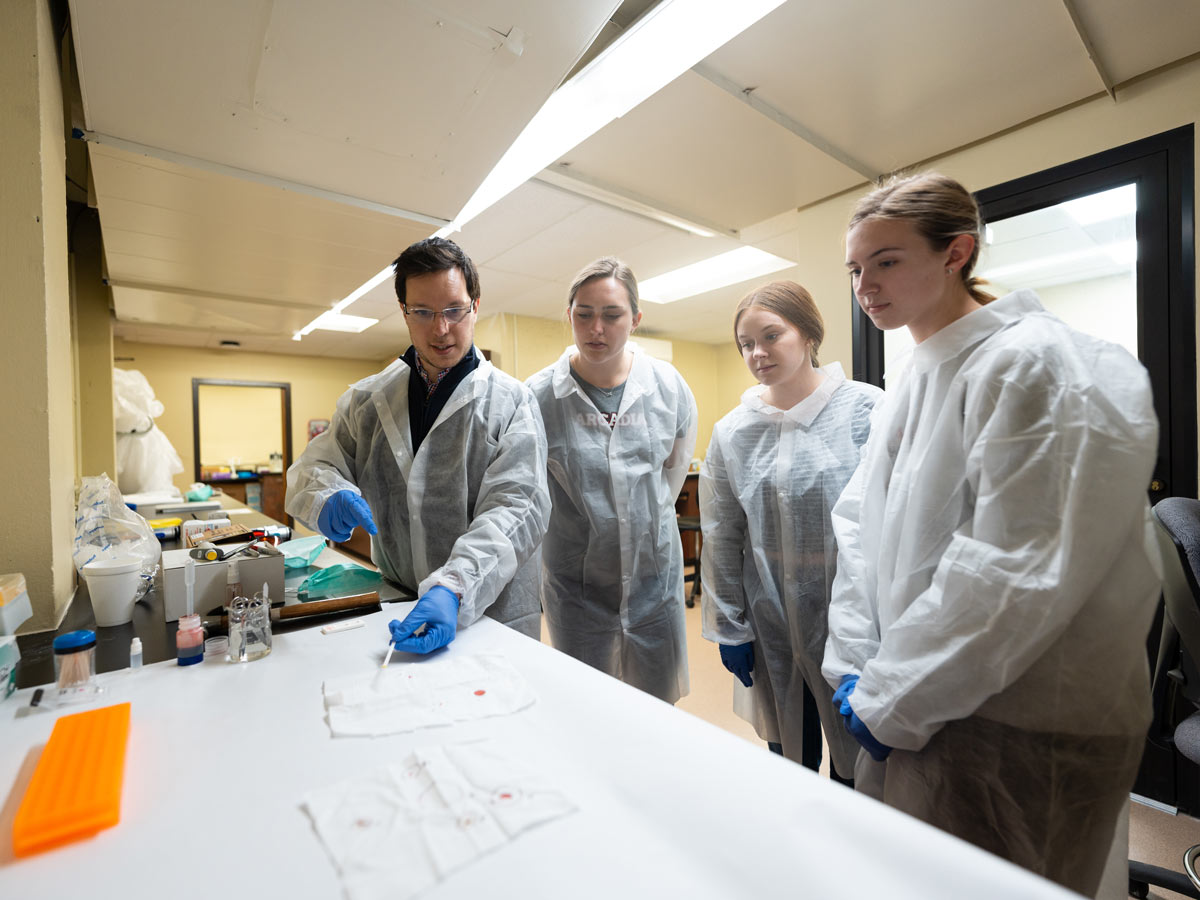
(157,635)
(220,755)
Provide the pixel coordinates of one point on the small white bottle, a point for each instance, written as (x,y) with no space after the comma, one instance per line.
(135,653)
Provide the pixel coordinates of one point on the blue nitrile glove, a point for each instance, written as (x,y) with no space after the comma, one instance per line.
(879,752)
(845,688)
(739,659)
(341,513)
(437,610)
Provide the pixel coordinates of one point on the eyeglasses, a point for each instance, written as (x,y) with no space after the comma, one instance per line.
(453,314)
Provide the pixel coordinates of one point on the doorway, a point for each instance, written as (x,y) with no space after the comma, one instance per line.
(242,440)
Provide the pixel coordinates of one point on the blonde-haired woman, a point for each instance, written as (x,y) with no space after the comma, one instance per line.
(774,468)
(997,572)
(621,428)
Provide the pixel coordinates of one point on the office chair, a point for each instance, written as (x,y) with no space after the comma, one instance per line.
(1178,527)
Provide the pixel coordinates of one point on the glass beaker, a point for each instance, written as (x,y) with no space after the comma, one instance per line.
(249,629)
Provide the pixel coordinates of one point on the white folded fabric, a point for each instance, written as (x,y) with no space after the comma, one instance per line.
(438,691)
(401,829)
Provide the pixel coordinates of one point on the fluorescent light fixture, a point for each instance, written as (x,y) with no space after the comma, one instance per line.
(657,49)
(332,320)
(369,285)
(1123,253)
(709,274)
(1104,206)
(340,322)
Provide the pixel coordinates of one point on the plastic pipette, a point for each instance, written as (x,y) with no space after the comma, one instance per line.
(189,579)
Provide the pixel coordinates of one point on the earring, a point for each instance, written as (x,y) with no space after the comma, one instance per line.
(949,271)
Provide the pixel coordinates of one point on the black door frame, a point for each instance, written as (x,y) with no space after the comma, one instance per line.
(1164,169)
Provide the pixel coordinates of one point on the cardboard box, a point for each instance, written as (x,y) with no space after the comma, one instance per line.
(211,579)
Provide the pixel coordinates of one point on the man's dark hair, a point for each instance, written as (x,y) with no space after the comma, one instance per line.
(435,254)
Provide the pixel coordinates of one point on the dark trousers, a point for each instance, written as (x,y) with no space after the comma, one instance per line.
(810,741)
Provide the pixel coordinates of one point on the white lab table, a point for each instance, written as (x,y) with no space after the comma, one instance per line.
(219,756)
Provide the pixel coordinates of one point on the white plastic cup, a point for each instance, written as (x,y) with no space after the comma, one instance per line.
(112,585)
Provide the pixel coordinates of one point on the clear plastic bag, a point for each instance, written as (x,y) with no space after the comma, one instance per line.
(105,528)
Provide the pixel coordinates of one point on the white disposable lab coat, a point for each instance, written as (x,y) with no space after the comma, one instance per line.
(996,556)
(612,563)
(769,481)
(468,511)
(997,574)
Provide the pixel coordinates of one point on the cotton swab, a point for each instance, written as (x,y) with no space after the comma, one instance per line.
(387,659)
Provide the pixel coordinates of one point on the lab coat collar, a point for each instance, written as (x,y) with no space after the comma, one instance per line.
(807,410)
(400,369)
(974,327)
(565,385)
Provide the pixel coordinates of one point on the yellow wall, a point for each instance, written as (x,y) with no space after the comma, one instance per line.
(316,383)
(92,342)
(37,442)
(524,345)
(240,425)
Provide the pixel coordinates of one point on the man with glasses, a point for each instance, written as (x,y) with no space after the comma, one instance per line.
(441,458)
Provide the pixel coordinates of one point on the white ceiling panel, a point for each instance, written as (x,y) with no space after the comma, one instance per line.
(529,210)
(500,290)
(208,313)
(1134,38)
(408,104)
(170,226)
(696,149)
(895,83)
(592,232)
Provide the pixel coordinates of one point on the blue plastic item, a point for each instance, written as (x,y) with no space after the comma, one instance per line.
(74,640)
(302,552)
(341,513)
(845,688)
(739,659)
(199,492)
(857,728)
(879,752)
(437,610)
(339,581)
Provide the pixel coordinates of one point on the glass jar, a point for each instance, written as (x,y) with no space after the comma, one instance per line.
(75,665)
(249,629)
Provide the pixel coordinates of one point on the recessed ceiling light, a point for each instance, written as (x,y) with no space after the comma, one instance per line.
(330,320)
(709,274)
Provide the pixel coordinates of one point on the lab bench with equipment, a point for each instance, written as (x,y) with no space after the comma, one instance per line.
(539,768)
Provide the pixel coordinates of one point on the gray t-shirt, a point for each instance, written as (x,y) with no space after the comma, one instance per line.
(607,400)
